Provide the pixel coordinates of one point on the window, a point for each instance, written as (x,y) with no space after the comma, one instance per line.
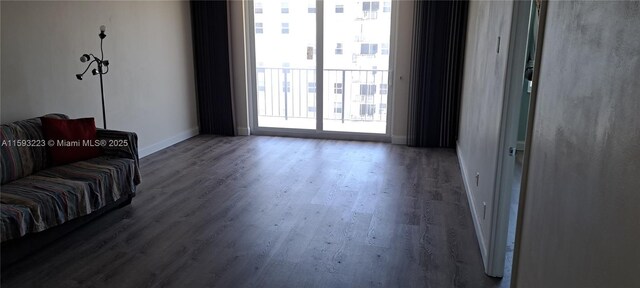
(368,49)
(367,109)
(337,88)
(260,76)
(384,89)
(329,88)
(370,9)
(370,6)
(383,108)
(338,48)
(367,92)
(367,89)
(386,7)
(384,49)
(337,107)
(286,86)
(366,98)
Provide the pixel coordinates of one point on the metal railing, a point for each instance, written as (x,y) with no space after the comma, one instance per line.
(353,95)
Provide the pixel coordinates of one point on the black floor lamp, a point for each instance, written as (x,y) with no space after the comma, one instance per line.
(103,68)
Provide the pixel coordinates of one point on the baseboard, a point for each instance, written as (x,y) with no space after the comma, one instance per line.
(243,131)
(474,213)
(520,146)
(399,140)
(184,135)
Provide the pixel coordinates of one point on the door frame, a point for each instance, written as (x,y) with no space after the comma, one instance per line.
(542,19)
(318,133)
(514,84)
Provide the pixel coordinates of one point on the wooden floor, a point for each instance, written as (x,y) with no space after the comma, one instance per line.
(276,212)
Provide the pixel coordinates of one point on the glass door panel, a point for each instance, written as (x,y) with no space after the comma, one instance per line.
(285,37)
(356,65)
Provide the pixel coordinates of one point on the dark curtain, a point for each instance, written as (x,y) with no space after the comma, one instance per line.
(211,59)
(436,83)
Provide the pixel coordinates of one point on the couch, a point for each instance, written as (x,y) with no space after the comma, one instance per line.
(41,202)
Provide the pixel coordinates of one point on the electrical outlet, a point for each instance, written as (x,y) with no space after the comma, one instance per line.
(477,178)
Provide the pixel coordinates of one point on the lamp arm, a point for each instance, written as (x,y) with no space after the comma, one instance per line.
(95,58)
(88,66)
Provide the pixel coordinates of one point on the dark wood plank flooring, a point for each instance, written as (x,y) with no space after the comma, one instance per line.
(276,212)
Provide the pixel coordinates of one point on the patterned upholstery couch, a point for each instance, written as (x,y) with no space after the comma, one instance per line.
(37,199)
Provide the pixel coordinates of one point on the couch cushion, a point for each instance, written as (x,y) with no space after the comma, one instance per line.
(74,131)
(59,194)
(21,160)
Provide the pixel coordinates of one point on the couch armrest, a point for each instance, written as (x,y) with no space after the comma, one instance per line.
(121,144)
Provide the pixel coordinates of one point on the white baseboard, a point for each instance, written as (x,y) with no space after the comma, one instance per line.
(520,146)
(243,131)
(184,135)
(399,139)
(472,206)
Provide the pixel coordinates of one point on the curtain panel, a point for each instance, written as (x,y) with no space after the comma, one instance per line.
(437,66)
(210,33)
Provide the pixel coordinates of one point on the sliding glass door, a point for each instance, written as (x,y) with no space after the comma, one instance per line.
(346,91)
(285,75)
(356,65)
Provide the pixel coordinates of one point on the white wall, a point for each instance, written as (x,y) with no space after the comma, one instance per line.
(481,108)
(581,216)
(239,66)
(402,70)
(149,90)
(404,31)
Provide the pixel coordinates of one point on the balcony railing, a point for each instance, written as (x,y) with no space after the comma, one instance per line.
(350,95)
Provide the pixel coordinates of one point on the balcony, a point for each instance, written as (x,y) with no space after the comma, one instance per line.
(354,100)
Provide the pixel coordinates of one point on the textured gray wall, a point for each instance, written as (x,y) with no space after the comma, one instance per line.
(581,222)
(482,97)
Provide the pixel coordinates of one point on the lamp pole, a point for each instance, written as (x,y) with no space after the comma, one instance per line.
(102,63)
(104,114)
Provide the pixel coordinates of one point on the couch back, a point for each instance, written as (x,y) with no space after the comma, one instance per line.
(21,159)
